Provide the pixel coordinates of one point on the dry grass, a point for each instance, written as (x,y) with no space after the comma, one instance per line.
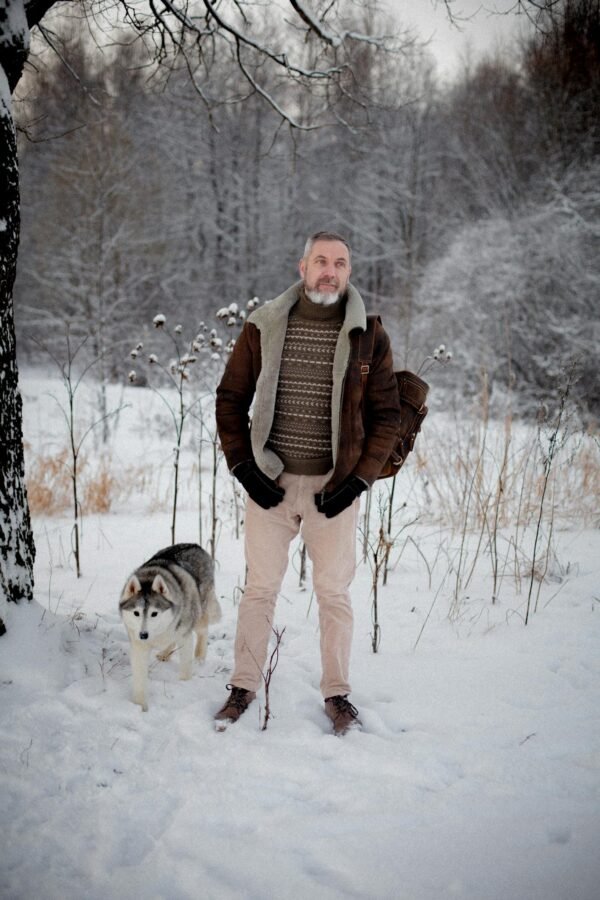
(99,490)
(50,489)
(501,470)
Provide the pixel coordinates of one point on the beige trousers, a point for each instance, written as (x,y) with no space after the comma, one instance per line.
(331,546)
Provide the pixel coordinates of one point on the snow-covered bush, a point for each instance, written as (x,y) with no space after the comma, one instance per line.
(516,298)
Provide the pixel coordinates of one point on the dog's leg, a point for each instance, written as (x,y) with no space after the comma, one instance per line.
(167,653)
(201,629)
(186,657)
(139,671)
(213,607)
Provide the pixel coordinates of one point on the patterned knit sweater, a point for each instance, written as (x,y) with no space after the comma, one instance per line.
(301,432)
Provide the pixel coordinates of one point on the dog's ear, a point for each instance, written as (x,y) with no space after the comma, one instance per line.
(159,586)
(132,588)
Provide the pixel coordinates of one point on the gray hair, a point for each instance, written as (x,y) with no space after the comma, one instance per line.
(325,236)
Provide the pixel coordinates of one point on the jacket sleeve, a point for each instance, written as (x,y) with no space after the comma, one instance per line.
(235,394)
(381,410)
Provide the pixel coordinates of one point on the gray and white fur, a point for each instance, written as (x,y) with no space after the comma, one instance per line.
(164,602)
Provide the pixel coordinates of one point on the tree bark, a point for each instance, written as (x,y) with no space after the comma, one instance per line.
(17,549)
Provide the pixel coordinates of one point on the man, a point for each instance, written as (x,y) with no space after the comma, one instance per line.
(321,432)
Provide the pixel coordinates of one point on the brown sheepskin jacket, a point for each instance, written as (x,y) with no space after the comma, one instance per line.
(364,420)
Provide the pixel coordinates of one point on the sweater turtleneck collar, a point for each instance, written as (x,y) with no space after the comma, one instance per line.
(306,309)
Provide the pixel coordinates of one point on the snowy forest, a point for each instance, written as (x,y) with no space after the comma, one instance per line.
(162,163)
(472,207)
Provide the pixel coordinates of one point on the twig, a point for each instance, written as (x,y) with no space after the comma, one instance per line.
(268,675)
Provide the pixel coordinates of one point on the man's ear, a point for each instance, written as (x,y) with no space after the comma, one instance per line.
(301,267)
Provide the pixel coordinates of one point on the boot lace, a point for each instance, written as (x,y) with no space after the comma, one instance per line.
(343,706)
(237,698)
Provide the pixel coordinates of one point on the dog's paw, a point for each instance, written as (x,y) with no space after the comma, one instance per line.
(141,701)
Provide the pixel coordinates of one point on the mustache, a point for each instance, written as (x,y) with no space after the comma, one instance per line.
(331,281)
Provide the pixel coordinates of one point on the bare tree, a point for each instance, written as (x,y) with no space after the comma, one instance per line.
(562,64)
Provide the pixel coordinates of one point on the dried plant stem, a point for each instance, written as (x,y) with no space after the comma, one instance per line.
(379,555)
(463,541)
(200,501)
(367,524)
(497,505)
(474,488)
(390,514)
(423,557)
(429,611)
(544,571)
(484,506)
(213,518)
(556,439)
(302,573)
(268,675)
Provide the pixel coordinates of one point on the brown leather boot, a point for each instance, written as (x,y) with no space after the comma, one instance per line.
(237,703)
(341,712)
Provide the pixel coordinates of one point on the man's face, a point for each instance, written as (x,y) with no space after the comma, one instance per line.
(326,271)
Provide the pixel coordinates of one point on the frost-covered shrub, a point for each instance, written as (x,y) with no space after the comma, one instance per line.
(182,372)
(518,298)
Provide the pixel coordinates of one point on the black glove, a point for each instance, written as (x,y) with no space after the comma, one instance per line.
(262,489)
(330,504)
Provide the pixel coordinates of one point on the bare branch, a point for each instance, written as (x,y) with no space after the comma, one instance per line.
(279,58)
(266,96)
(48,37)
(330,37)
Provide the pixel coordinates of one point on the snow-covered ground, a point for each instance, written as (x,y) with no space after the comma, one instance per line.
(476,774)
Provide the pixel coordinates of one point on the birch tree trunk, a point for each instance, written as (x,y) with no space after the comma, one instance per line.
(16,540)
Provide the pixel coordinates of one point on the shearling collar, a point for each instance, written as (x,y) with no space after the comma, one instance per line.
(278,309)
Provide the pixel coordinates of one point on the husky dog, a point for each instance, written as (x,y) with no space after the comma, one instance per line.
(163,603)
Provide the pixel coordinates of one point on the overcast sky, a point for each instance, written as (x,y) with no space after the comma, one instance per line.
(483,31)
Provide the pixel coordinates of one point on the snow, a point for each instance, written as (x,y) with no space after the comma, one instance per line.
(5,102)
(475,774)
(14,24)
(14,32)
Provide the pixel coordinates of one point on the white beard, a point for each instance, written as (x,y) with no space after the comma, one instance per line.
(322,299)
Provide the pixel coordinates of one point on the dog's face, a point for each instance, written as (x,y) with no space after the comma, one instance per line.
(147,610)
